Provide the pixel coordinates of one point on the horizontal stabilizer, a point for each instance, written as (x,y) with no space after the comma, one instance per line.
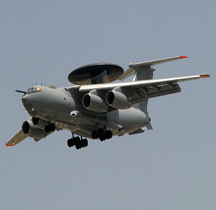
(146,126)
(147,64)
(136,131)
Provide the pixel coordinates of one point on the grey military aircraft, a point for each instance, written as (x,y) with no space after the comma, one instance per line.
(94,107)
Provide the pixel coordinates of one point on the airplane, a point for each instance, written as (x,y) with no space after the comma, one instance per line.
(96,107)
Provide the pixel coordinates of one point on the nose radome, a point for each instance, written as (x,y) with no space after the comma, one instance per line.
(24,98)
(26,102)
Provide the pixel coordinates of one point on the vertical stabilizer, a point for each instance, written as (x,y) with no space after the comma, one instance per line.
(143,74)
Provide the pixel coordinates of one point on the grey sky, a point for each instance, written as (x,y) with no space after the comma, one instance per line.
(171,167)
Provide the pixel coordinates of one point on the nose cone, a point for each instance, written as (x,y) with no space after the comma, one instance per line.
(24,98)
(30,105)
(27,102)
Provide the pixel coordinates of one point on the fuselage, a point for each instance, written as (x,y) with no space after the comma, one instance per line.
(64,108)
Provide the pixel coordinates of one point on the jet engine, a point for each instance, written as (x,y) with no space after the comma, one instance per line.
(43,124)
(117,100)
(32,131)
(39,123)
(94,103)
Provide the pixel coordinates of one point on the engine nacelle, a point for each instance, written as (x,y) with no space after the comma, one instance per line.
(117,100)
(39,123)
(43,124)
(94,103)
(32,131)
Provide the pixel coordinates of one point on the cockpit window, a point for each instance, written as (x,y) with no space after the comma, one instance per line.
(34,89)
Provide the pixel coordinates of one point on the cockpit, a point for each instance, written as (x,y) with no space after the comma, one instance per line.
(33,89)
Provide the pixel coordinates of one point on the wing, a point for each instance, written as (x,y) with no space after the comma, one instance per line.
(144,88)
(17,138)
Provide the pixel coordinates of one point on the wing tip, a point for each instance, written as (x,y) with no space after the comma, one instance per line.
(183,56)
(204,75)
(10,144)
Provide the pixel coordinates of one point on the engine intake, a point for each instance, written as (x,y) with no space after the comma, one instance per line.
(117,100)
(94,103)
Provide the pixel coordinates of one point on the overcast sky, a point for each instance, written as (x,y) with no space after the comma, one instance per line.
(172,166)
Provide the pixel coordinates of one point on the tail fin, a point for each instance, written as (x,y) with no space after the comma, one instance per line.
(143,74)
